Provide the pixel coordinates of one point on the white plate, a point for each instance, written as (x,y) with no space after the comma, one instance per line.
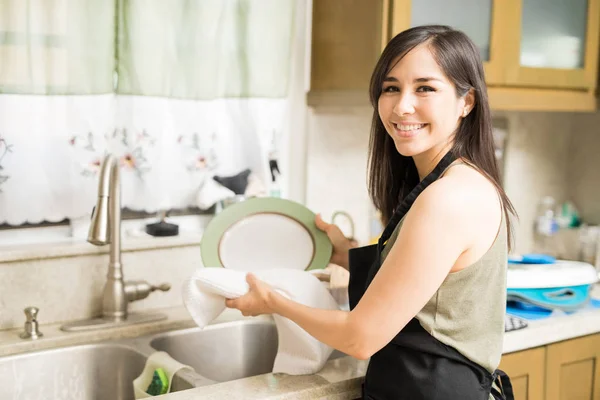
(265,233)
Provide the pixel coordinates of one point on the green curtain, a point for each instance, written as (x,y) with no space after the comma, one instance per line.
(189,49)
(57,46)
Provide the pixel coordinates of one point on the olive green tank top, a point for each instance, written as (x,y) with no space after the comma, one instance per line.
(467,311)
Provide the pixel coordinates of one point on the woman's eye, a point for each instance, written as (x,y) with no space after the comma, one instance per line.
(425,89)
(389,89)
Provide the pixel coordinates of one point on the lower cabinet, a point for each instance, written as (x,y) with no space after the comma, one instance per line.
(526,370)
(573,369)
(568,370)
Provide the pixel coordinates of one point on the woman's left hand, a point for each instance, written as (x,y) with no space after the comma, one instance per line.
(256,301)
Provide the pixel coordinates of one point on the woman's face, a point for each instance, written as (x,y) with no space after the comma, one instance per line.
(418,104)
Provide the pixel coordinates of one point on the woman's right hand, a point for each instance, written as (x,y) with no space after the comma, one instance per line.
(341,244)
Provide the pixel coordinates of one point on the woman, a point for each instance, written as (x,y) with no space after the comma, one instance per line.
(428,301)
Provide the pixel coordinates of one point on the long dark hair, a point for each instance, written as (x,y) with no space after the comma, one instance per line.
(391,175)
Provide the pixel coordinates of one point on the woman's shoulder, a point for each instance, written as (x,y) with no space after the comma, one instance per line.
(469,180)
(462,194)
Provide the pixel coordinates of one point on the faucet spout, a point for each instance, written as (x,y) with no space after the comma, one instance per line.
(105,228)
(102,229)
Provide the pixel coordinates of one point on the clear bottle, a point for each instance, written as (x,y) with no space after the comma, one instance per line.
(546,228)
(275,190)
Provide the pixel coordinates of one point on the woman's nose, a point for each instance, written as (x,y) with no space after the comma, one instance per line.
(405,105)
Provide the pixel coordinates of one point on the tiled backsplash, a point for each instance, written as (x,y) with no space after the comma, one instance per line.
(583,175)
(536,165)
(338,140)
(70,288)
(546,154)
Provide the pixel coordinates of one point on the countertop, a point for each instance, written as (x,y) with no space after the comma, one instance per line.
(339,379)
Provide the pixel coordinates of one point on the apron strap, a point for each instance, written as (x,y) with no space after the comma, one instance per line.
(403,208)
(408,201)
(502,387)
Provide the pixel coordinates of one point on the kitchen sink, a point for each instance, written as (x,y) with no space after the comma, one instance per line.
(225,352)
(105,371)
(98,372)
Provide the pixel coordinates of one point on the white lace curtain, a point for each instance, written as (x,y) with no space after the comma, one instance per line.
(179,90)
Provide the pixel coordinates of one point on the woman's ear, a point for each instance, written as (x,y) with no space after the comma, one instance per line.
(469,102)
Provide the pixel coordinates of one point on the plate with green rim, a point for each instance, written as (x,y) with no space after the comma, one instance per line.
(264,233)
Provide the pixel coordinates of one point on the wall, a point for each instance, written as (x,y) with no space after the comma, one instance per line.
(68,288)
(583,179)
(536,165)
(338,140)
(545,153)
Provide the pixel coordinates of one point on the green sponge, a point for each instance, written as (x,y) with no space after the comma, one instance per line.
(159,384)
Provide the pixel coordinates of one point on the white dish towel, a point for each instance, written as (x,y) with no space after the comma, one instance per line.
(298,352)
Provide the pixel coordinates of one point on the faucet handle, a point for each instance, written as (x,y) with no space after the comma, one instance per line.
(137,290)
(163,287)
(31,313)
(31,325)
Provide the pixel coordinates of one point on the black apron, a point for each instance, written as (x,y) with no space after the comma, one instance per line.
(415,365)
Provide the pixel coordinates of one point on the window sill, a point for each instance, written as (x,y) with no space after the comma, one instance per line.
(55,242)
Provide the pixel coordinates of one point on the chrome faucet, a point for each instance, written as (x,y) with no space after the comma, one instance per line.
(105,229)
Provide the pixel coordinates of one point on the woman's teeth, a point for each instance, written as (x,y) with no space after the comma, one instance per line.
(409,127)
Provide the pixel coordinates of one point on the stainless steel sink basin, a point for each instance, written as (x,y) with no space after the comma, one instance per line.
(98,372)
(105,371)
(227,351)
(223,353)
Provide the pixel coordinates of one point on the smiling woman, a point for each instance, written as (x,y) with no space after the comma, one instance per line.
(428,300)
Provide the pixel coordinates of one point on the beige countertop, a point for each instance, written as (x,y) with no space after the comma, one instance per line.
(339,379)
(11,343)
(553,329)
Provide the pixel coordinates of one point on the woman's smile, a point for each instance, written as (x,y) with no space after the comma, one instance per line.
(408,129)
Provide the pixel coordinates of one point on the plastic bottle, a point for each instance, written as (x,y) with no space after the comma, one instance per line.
(546,227)
(274,190)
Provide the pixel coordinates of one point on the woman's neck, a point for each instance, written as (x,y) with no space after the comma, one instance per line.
(426,161)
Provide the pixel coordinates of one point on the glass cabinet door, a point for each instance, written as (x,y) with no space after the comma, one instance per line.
(476,18)
(523,43)
(557,44)
(553,33)
(473,17)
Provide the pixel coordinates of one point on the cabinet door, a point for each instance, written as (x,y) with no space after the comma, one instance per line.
(347,39)
(526,372)
(476,18)
(573,369)
(556,43)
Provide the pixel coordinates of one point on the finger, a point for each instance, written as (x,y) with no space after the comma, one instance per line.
(322,225)
(251,279)
(230,303)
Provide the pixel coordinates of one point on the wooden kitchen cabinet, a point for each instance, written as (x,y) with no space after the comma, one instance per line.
(568,370)
(573,369)
(526,370)
(345,61)
(529,47)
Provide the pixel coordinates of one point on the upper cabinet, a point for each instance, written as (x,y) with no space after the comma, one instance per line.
(537,54)
(473,17)
(344,31)
(556,44)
